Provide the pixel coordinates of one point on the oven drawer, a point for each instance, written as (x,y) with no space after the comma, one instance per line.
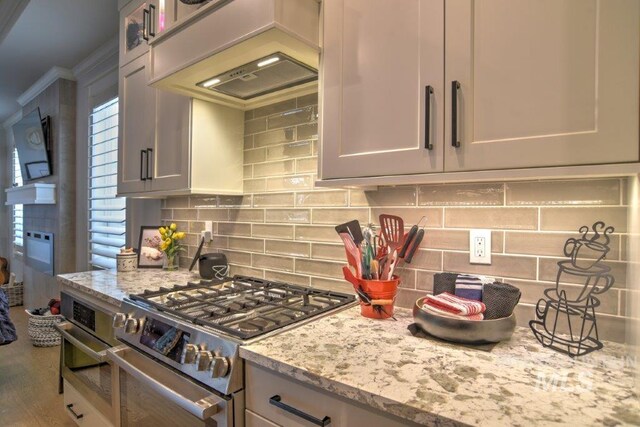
(80,410)
(151,394)
(285,401)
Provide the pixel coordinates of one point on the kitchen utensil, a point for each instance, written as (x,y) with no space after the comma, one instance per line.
(413,246)
(392,230)
(412,241)
(392,261)
(353,229)
(348,275)
(353,253)
(463,331)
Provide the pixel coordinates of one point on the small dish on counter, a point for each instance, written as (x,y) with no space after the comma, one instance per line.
(464,331)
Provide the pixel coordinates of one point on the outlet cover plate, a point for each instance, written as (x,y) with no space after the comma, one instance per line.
(480,246)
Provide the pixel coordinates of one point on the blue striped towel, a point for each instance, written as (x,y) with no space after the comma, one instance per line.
(470,287)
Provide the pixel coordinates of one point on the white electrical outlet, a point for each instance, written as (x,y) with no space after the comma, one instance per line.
(480,246)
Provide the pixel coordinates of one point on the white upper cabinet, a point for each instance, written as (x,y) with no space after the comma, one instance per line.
(542,83)
(382,72)
(516,84)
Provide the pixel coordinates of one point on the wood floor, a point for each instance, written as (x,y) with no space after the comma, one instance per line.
(29,381)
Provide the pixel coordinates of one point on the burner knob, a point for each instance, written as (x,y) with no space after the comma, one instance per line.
(204,360)
(220,367)
(119,319)
(189,354)
(131,325)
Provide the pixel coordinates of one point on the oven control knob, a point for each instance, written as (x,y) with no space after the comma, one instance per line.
(119,319)
(131,325)
(220,367)
(203,360)
(189,354)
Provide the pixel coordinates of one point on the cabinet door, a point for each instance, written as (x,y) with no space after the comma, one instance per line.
(137,131)
(169,160)
(542,83)
(378,58)
(134,29)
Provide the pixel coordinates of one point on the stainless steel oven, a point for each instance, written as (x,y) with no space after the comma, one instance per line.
(87,334)
(151,394)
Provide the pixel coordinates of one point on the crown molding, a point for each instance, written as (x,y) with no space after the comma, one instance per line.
(43,82)
(13,119)
(100,55)
(10,11)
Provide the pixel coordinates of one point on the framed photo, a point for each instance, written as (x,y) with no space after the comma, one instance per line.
(149,253)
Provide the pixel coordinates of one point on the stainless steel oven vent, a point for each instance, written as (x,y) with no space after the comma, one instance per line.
(260,77)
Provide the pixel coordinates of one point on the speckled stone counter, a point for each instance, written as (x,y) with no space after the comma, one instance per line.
(111,286)
(520,383)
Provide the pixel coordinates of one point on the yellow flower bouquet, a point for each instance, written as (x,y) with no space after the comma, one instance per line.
(170,245)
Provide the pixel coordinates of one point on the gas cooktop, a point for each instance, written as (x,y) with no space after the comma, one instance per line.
(243,307)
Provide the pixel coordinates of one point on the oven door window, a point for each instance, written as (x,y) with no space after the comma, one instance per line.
(84,365)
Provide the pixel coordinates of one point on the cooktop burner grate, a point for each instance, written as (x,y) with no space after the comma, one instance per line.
(244,307)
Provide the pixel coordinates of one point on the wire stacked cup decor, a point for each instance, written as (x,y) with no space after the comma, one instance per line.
(574,311)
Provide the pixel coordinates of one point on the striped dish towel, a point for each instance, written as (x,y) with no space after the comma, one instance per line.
(436,310)
(470,287)
(454,304)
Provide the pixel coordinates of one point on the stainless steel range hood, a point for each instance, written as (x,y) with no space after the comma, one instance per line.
(263,76)
(244,54)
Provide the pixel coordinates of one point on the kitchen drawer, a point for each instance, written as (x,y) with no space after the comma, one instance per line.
(81,411)
(262,384)
(251,419)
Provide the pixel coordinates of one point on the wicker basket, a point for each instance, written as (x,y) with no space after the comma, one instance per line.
(14,292)
(41,330)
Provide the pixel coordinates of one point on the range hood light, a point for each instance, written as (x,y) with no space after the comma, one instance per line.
(211,82)
(268,61)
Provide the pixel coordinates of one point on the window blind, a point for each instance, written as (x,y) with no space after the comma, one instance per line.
(17,209)
(107,213)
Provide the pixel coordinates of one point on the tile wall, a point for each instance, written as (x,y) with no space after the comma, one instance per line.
(283,228)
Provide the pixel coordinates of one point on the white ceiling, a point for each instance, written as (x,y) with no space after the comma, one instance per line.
(50,33)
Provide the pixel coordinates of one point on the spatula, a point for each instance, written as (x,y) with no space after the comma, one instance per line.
(392,230)
(353,229)
(353,253)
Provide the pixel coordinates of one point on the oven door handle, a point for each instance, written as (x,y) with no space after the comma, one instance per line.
(64,327)
(203,409)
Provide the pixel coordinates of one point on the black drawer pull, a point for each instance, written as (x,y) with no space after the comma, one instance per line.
(70,409)
(143,153)
(427,117)
(455,87)
(277,401)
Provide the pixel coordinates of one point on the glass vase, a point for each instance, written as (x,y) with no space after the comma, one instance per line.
(170,263)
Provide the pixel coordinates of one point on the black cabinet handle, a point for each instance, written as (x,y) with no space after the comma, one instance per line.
(149,163)
(152,20)
(145,24)
(455,87)
(142,162)
(277,401)
(70,409)
(428,92)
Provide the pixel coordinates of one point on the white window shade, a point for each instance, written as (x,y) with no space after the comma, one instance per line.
(18,210)
(107,213)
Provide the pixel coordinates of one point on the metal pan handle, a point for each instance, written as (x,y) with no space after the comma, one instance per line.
(63,328)
(203,409)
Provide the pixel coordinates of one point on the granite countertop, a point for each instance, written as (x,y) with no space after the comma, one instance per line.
(380,364)
(111,286)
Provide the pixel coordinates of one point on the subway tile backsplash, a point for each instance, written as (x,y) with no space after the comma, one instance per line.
(283,228)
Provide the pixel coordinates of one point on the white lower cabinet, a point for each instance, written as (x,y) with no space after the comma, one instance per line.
(299,403)
(80,410)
